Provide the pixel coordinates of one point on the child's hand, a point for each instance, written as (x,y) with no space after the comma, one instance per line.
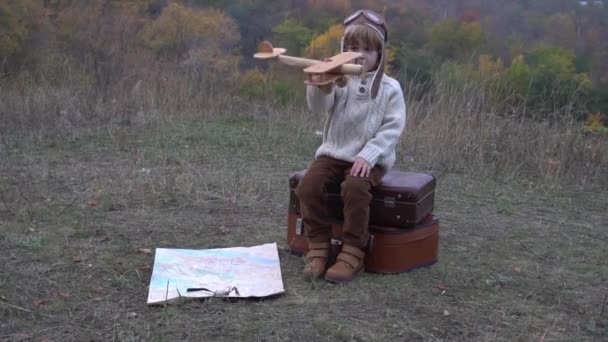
(326,88)
(341,82)
(361,168)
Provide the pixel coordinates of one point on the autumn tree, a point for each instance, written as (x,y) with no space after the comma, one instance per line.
(13,30)
(336,6)
(180,29)
(23,24)
(490,67)
(453,40)
(98,35)
(408,37)
(548,81)
(326,44)
(196,47)
(255,19)
(292,35)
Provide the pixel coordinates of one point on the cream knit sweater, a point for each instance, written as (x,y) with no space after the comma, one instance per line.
(356,125)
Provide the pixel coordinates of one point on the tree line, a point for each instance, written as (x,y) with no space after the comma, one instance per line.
(547,56)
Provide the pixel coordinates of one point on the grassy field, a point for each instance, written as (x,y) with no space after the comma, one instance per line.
(518,260)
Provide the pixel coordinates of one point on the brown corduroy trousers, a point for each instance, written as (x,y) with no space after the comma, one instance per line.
(355,192)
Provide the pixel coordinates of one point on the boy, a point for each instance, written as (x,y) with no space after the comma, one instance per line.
(365,119)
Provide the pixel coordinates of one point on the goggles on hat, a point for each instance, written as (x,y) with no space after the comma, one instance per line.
(369,16)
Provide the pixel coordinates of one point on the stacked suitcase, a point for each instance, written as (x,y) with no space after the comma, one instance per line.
(404,233)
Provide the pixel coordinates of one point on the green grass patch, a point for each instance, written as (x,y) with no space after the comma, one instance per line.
(30,242)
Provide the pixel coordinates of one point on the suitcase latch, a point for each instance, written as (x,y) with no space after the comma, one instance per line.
(389,202)
(299,226)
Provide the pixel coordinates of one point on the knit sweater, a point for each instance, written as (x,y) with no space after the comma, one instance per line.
(356,125)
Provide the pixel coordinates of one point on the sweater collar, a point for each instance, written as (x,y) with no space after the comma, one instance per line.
(366,78)
(363,84)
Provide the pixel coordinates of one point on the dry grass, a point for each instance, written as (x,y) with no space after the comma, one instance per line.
(521,259)
(451,129)
(457,130)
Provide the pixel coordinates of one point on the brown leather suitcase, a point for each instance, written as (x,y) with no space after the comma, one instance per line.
(390,250)
(396,250)
(402,199)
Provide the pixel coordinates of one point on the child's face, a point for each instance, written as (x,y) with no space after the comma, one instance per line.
(369,60)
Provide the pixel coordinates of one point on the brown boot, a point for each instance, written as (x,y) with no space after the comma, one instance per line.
(350,263)
(316,260)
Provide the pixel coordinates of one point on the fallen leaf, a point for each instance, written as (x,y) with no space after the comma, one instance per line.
(442,286)
(145,251)
(517,269)
(446,313)
(39,302)
(63,294)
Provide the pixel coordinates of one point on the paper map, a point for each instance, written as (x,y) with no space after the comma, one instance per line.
(223,272)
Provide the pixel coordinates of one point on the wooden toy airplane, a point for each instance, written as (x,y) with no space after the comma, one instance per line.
(318,72)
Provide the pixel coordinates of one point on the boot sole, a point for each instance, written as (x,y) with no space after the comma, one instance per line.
(343,280)
(311,278)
